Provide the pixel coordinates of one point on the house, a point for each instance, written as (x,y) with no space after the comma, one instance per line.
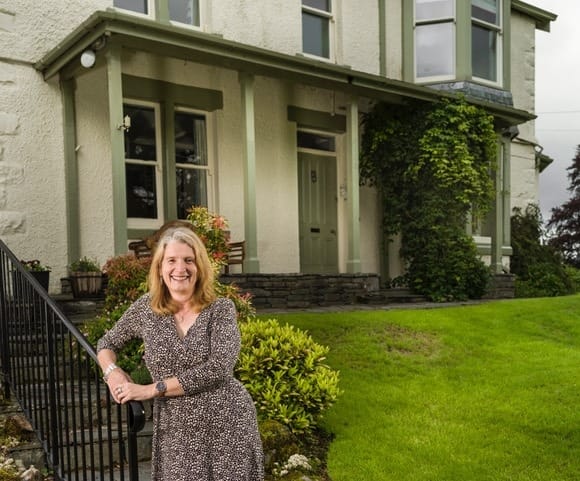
(117,115)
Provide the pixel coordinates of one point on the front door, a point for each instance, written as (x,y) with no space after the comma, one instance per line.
(318,213)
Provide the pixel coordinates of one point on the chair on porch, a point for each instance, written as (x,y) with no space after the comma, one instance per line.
(236,255)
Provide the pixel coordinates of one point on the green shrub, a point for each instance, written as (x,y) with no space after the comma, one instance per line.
(127,279)
(283,369)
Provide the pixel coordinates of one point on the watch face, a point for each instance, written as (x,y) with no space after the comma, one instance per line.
(161,387)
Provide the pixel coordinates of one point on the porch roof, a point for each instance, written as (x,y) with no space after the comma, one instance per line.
(144,34)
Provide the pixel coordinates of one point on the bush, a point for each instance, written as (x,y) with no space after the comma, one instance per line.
(127,279)
(539,269)
(283,369)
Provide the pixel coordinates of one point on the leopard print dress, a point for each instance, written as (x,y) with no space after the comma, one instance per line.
(210,433)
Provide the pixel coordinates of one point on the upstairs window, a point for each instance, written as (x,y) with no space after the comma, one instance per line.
(138,6)
(184,11)
(316,27)
(485,39)
(434,39)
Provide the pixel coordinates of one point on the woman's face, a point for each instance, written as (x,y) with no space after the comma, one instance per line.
(178,269)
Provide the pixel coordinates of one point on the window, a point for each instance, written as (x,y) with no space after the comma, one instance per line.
(143,183)
(139,6)
(316,27)
(434,39)
(184,11)
(485,39)
(191,161)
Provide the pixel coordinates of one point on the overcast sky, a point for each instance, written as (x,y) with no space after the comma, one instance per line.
(558,97)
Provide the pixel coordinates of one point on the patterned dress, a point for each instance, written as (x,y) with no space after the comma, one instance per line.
(210,433)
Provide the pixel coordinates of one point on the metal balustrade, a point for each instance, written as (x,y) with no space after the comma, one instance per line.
(50,369)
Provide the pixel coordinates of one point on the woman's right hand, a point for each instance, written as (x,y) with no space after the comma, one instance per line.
(114,381)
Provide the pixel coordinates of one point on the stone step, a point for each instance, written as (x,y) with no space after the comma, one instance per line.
(394,295)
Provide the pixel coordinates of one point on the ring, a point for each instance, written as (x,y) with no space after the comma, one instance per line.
(119,389)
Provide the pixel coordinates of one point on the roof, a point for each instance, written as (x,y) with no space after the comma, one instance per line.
(155,37)
(542,17)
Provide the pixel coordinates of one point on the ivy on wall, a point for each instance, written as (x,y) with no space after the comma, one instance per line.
(432,165)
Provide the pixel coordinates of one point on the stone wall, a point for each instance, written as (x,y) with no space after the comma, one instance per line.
(280,291)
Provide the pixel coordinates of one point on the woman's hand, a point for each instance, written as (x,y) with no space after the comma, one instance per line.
(115,381)
(129,391)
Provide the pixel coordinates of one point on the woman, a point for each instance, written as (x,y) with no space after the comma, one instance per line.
(205,424)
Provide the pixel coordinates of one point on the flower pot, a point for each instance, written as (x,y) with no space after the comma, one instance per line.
(42,277)
(86,284)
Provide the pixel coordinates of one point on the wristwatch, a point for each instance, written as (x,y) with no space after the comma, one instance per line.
(161,388)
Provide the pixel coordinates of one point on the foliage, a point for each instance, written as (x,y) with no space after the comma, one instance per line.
(565,220)
(35,266)
(284,372)
(211,229)
(538,267)
(431,165)
(85,264)
(127,279)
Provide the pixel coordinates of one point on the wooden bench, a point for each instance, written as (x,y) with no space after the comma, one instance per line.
(236,255)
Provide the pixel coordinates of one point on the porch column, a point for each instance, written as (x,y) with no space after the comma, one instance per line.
(115,89)
(251,262)
(71,170)
(352,181)
(497,234)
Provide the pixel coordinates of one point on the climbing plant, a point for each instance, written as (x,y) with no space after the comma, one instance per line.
(432,165)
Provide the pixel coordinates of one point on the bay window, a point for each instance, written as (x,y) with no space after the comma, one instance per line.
(455,40)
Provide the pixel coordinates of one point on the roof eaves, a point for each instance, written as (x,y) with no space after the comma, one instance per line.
(542,17)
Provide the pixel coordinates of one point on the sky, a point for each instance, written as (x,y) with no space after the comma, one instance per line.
(557,98)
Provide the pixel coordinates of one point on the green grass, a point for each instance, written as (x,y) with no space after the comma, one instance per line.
(485,392)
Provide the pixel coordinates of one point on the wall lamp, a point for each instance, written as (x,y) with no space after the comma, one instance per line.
(89,56)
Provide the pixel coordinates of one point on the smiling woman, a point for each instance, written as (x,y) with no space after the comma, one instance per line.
(204,419)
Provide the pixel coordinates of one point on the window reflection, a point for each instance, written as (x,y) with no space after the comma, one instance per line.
(484,53)
(433,9)
(434,46)
(141,191)
(184,11)
(139,6)
(191,161)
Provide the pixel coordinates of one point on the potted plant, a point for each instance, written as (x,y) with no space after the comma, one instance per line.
(86,277)
(39,271)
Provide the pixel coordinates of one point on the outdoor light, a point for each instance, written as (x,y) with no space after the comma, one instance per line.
(88,58)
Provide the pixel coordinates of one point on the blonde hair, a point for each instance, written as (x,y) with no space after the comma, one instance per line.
(204,290)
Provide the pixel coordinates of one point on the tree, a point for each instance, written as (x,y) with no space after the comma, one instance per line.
(565,220)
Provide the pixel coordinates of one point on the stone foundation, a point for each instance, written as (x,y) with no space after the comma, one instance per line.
(281,291)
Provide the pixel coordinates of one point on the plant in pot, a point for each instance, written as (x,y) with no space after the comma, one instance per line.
(39,271)
(86,277)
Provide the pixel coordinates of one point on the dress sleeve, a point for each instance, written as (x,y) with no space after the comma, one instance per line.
(126,328)
(224,350)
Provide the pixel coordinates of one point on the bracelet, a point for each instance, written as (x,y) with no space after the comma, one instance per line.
(110,368)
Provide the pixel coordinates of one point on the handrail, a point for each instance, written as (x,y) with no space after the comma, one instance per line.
(51,370)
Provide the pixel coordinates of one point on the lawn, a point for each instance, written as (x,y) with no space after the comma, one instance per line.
(484,392)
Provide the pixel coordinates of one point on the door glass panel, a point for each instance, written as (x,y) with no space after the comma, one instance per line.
(433,9)
(486,10)
(434,50)
(307,140)
(141,191)
(184,11)
(139,6)
(315,35)
(484,53)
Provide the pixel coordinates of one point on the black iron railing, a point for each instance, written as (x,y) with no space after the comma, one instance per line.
(50,369)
